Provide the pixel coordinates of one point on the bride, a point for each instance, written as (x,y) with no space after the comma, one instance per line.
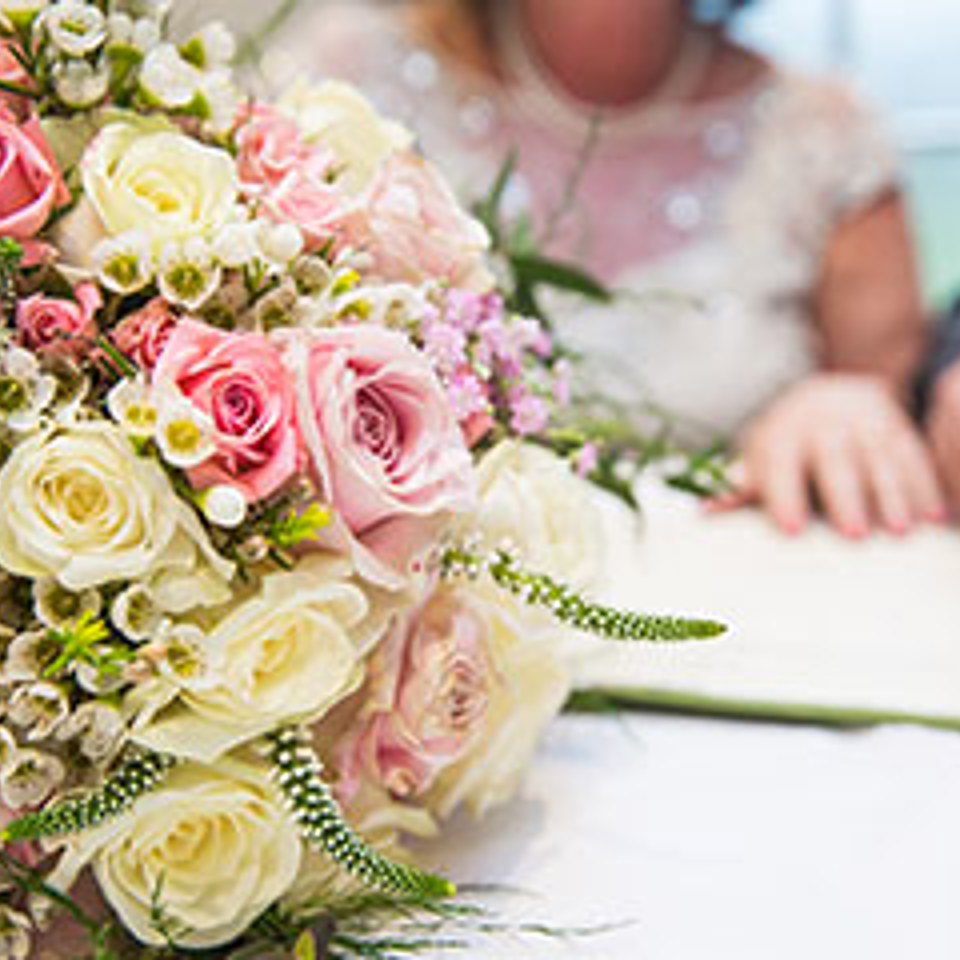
(751,215)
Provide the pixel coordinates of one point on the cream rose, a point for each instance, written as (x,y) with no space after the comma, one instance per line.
(146,176)
(216,844)
(533,499)
(340,118)
(289,654)
(79,505)
(527,687)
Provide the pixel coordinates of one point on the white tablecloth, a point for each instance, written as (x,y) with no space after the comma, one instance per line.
(721,840)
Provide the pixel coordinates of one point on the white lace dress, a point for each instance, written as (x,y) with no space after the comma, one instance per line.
(711,218)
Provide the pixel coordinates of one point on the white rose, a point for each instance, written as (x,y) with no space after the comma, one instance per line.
(215,844)
(529,684)
(533,499)
(145,175)
(289,654)
(340,117)
(81,506)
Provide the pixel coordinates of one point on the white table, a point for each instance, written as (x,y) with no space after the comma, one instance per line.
(722,840)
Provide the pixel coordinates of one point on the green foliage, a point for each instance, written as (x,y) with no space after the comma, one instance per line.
(569,607)
(293,528)
(136,775)
(298,774)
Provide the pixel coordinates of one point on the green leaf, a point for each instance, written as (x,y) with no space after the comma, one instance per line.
(487,210)
(533,269)
(305,947)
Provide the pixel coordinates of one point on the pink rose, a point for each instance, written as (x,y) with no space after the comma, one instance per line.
(239,381)
(415,229)
(31,186)
(56,325)
(426,702)
(384,447)
(270,147)
(289,177)
(143,335)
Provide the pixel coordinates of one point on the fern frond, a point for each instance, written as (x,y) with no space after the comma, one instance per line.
(136,776)
(570,607)
(298,774)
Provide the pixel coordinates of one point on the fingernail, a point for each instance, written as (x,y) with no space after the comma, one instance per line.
(899,528)
(854,531)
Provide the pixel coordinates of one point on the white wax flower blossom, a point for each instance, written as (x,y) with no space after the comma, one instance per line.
(120,27)
(8,747)
(80,505)
(55,606)
(188,273)
(38,708)
(146,34)
(25,390)
(15,934)
(98,727)
(22,7)
(169,79)
(236,244)
(184,434)
(123,263)
(188,658)
(75,28)
(223,505)
(220,837)
(131,404)
(212,46)
(289,653)
(30,778)
(279,243)
(80,84)
(222,99)
(26,656)
(136,614)
(98,682)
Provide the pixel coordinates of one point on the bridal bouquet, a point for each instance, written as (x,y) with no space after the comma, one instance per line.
(283,568)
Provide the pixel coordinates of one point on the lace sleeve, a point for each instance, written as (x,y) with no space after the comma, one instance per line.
(850,151)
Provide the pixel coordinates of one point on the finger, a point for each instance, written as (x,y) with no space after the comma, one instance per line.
(781,479)
(889,484)
(927,496)
(838,480)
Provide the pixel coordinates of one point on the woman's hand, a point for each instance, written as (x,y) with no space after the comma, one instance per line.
(943,430)
(843,442)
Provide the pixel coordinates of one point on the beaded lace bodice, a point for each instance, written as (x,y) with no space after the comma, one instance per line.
(711,217)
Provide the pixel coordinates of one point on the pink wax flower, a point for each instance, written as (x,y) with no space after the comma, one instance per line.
(426,700)
(31,185)
(384,447)
(143,335)
(61,326)
(239,381)
(415,230)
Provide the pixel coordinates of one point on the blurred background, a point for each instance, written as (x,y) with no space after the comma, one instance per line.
(902,56)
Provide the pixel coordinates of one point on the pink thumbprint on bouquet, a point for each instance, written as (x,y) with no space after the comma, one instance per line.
(239,381)
(144,334)
(426,700)
(31,185)
(384,446)
(59,326)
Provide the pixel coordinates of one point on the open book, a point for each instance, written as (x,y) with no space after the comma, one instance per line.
(821,629)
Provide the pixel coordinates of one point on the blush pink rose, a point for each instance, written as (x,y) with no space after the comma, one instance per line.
(427,698)
(384,447)
(290,179)
(270,147)
(31,186)
(60,326)
(144,334)
(239,381)
(416,230)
